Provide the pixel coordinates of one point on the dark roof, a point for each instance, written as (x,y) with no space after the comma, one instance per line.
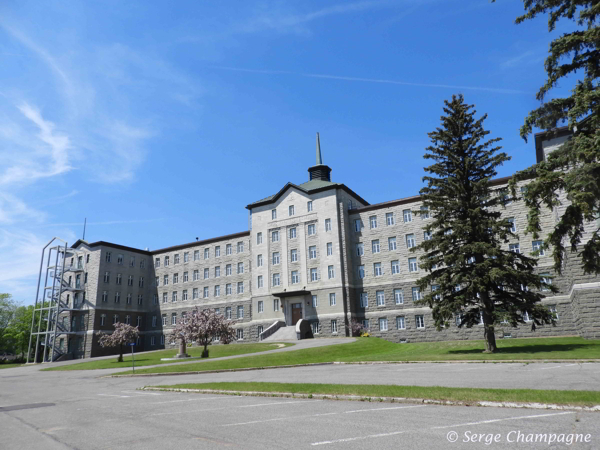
(310,187)
(161,250)
(414,198)
(547,135)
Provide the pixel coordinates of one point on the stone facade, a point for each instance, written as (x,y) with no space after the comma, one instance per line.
(315,251)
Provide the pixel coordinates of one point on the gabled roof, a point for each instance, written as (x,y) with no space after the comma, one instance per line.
(310,187)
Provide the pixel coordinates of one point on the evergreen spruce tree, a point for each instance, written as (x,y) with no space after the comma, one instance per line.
(469,273)
(575,166)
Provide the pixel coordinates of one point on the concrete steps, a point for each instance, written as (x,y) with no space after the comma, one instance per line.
(283,334)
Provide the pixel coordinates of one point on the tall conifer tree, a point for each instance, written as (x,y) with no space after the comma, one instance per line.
(469,274)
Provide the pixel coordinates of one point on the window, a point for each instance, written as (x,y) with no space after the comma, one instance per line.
(165,297)
(273,214)
(294,255)
(552,309)
(102,319)
(228,312)
(427,235)
(108,256)
(514,248)
(331,272)
(537,246)
(377,270)
(156,262)
(424,212)
(206,253)
(164,320)
(334,326)
(176,257)
(360,249)
(174,319)
(357,225)
(259,281)
(106,277)
(259,330)
(175,278)
(373,222)
(380,295)
(400,323)
(258,238)
(295,277)
(141,282)
(196,275)
(87,258)
(217,291)
(276,279)
(513,225)
(140,299)
(375,246)
(419,321)
(194,293)
(392,243)
(174,297)
(240,334)
(312,251)
(228,249)
(293,233)
(196,255)
(315,301)
(410,240)
(167,261)
(240,267)
(309,206)
(138,322)
(435,288)
(316,327)
(155,299)
(291,210)
(261,306)
(547,280)
(240,312)
(275,304)
(389,218)
(217,271)
(120,259)
(205,292)
(332,299)
(228,270)
(504,196)
(416,294)
(240,287)
(526,317)
(162,339)
(117,297)
(217,251)
(314,276)
(186,257)
(412,265)
(259,260)
(327,224)
(153,340)
(115,318)
(329,249)
(407,214)
(166,280)
(364,300)
(383,324)
(130,280)
(399,296)
(395,267)
(118,280)
(275,236)
(240,247)
(228,290)
(311,229)
(361,272)
(131,261)
(275,258)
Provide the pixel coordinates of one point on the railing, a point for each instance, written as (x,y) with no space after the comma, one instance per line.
(271,330)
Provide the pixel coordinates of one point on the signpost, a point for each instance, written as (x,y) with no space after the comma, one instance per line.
(132,361)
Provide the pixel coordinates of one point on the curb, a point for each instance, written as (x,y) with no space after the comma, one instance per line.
(245,369)
(547,406)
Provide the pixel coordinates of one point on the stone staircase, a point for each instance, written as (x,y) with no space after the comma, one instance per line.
(283,334)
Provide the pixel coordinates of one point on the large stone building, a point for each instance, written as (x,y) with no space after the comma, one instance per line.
(315,252)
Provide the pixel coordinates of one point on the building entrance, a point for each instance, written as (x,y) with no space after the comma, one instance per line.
(296,312)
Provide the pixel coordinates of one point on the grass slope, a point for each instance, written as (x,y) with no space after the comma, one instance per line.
(151,358)
(10,365)
(375,349)
(374,391)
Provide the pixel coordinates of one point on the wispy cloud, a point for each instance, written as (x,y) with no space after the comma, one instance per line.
(374,80)
(526,58)
(13,209)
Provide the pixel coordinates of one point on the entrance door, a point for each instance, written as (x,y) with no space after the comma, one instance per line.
(296,312)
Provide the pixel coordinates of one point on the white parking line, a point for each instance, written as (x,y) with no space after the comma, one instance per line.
(141,393)
(112,395)
(502,420)
(187,400)
(383,409)
(336,441)
(557,367)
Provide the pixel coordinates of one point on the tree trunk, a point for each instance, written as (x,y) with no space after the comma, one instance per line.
(120,353)
(205,351)
(490,338)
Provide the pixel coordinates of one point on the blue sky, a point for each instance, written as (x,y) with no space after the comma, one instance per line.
(159,123)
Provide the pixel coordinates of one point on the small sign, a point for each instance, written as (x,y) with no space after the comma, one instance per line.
(132,344)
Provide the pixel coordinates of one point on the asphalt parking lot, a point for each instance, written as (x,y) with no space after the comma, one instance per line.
(83,411)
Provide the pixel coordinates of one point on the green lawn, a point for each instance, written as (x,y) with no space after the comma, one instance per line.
(151,358)
(375,349)
(9,365)
(373,392)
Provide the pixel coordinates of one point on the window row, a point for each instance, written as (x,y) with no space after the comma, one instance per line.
(205,293)
(196,275)
(116,318)
(382,322)
(120,260)
(390,219)
(295,277)
(292,210)
(196,254)
(118,280)
(173,316)
(378,269)
(128,298)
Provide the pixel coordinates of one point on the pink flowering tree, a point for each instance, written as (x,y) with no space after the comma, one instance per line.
(124,334)
(204,327)
(357,328)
